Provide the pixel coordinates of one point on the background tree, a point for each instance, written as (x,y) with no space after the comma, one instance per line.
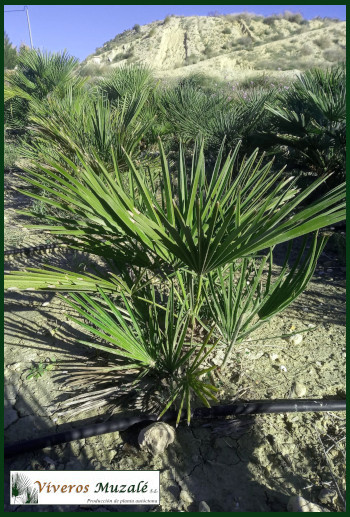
(10,53)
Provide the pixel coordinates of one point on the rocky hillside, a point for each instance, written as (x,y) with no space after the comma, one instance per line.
(230,46)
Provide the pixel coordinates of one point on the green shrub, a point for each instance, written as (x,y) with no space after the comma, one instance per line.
(335,55)
(256,81)
(137,27)
(246,17)
(231,17)
(276,37)
(123,55)
(10,54)
(11,155)
(270,20)
(208,51)
(306,50)
(111,115)
(152,32)
(323,42)
(227,30)
(293,17)
(244,41)
(192,59)
(93,70)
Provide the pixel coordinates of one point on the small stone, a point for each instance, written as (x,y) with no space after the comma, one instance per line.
(156,437)
(203,507)
(283,368)
(298,504)
(186,497)
(219,357)
(257,355)
(297,339)
(327,496)
(14,366)
(45,304)
(273,357)
(299,389)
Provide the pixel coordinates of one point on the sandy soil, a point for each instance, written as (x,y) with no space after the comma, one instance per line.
(276,457)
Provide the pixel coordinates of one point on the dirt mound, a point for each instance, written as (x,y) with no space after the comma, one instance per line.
(231,46)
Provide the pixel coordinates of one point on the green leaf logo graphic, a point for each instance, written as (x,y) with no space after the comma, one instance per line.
(23,492)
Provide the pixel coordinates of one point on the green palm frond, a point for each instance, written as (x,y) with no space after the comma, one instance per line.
(127,81)
(87,124)
(310,119)
(155,345)
(245,295)
(236,214)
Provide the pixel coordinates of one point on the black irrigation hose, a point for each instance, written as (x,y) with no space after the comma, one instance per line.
(35,249)
(120,424)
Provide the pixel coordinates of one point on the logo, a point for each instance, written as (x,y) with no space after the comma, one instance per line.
(85,487)
(23,490)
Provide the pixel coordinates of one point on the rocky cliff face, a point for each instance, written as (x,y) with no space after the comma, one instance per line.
(228,46)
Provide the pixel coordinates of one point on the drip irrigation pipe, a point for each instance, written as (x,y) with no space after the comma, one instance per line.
(123,423)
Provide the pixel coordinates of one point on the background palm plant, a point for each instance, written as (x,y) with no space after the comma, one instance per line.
(190,110)
(309,119)
(127,81)
(86,122)
(38,75)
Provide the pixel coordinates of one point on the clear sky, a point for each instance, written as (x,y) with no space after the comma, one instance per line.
(82,28)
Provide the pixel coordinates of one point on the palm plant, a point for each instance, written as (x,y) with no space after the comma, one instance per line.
(180,234)
(190,110)
(86,122)
(309,119)
(157,345)
(127,81)
(38,75)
